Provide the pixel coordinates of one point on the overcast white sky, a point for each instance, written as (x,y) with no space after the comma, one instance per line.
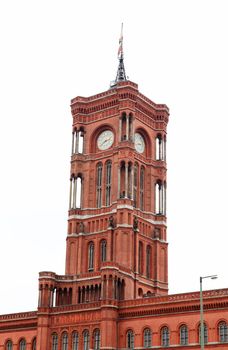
(52,51)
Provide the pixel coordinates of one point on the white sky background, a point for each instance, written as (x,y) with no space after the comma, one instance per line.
(52,51)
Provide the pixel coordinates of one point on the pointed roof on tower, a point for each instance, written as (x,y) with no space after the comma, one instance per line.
(121,70)
(121,75)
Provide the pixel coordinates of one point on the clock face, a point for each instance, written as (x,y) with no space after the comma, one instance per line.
(105,140)
(139,143)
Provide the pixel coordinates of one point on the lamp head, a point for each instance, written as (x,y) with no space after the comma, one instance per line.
(214,277)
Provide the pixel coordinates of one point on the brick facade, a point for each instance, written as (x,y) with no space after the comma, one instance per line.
(114,294)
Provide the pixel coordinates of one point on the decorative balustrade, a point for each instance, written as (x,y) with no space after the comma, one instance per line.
(20,315)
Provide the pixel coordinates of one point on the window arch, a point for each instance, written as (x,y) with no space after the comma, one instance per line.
(147,338)
(165,336)
(86,340)
(34,344)
(54,341)
(130,339)
(99,184)
(141,193)
(75,340)
(91,256)
(148,261)
(103,248)
(223,332)
(22,344)
(97,339)
(108,183)
(205,333)
(65,341)
(9,345)
(183,335)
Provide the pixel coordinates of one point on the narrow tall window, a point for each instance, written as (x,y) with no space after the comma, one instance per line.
(205,334)
(223,332)
(130,340)
(147,338)
(80,141)
(34,344)
(184,335)
(75,200)
(108,183)
(148,261)
(103,250)
(165,336)
(142,180)
(99,185)
(75,341)
(135,184)
(9,345)
(91,256)
(54,341)
(140,262)
(65,341)
(86,340)
(22,344)
(79,192)
(97,339)
(159,147)
(160,198)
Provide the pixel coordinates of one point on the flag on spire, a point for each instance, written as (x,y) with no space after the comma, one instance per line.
(120,50)
(121,75)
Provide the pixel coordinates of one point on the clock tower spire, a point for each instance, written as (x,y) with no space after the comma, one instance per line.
(121,75)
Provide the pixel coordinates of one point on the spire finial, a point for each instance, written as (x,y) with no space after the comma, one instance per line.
(121,70)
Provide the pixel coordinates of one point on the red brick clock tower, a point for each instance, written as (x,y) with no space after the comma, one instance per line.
(116,242)
(114,293)
(116,247)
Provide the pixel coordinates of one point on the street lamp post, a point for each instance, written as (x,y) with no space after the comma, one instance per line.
(201,309)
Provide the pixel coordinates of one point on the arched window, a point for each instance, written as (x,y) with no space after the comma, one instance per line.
(79,192)
(91,256)
(205,334)
(223,332)
(165,336)
(34,344)
(103,250)
(140,258)
(75,341)
(22,344)
(9,345)
(80,141)
(75,200)
(184,335)
(99,185)
(130,339)
(65,341)
(159,147)
(108,183)
(97,339)
(142,180)
(147,338)
(135,185)
(86,340)
(77,141)
(160,198)
(148,261)
(54,341)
